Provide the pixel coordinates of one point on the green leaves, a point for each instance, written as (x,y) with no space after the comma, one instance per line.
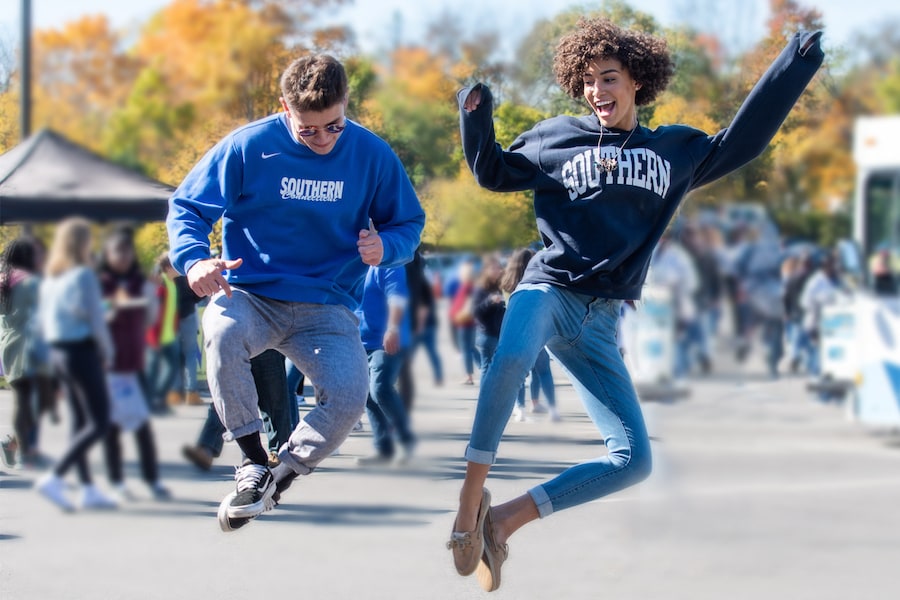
(156,98)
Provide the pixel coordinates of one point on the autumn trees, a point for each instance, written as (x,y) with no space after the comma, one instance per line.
(155,99)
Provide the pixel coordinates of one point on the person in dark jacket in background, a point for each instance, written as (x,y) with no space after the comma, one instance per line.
(130,306)
(489,308)
(423,320)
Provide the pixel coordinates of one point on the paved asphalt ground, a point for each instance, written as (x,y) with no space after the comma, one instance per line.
(759,491)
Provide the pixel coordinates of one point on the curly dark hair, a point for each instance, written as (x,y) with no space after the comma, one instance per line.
(645,57)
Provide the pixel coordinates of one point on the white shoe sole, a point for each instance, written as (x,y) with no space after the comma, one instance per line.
(225,523)
(252,510)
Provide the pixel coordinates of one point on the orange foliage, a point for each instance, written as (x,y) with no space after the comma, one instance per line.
(221,55)
(675,109)
(82,76)
(421,74)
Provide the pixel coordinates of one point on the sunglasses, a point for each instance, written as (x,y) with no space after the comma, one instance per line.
(311,131)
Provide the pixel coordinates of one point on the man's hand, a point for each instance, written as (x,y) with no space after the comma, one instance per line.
(205,277)
(370,246)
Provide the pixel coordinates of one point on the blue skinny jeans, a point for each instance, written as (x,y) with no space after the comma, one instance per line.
(580,332)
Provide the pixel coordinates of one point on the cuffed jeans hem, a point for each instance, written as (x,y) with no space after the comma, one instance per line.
(285,456)
(482,457)
(541,500)
(253,427)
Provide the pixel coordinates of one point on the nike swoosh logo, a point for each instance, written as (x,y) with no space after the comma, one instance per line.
(265,156)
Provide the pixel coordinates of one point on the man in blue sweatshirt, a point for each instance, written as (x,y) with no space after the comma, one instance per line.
(384,325)
(301,194)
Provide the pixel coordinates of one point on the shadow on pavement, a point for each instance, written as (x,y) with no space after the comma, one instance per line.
(16,484)
(353,515)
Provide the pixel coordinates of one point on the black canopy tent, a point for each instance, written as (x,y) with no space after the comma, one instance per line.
(47,178)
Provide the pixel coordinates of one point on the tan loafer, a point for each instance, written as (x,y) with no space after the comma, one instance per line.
(492,558)
(468,546)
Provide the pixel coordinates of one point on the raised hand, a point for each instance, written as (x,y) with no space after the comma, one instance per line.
(473,99)
(370,246)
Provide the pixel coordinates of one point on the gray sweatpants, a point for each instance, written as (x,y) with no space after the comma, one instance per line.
(321,339)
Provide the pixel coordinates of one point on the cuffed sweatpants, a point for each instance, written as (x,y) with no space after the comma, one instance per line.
(321,339)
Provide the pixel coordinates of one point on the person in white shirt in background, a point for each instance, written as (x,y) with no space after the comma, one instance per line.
(73,322)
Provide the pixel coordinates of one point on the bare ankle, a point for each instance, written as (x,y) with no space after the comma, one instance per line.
(500,519)
(511,516)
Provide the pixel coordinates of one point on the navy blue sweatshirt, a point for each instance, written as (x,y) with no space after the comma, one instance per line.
(599,229)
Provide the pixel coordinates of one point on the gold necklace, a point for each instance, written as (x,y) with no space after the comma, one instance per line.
(608,165)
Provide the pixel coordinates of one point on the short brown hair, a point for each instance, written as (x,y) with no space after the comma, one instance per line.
(314,82)
(70,246)
(645,57)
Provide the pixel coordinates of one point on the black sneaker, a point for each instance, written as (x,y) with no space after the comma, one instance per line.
(254,490)
(227,523)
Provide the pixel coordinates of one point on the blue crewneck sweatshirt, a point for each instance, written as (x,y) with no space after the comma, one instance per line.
(383,288)
(599,229)
(292,215)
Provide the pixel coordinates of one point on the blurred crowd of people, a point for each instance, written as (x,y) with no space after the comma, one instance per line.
(86,326)
(748,282)
(739,289)
(122,345)
(119,343)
